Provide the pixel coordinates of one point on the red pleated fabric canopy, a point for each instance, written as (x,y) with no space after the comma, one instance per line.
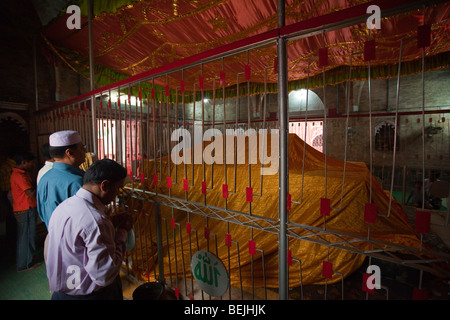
(137,36)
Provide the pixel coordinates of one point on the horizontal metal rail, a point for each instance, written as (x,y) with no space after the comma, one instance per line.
(316,25)
(408,256)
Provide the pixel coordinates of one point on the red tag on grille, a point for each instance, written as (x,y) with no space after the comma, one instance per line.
(169,182)
(182,86)
(323,57)
(249,194)
(369,50)
(155,179)
(222,78)
(327,269)
(423,219)
(188,227)
(200,82)
(225,191)
(203,187)
(206,233)
(364,287)
(419,294)
(228,240)
(153,93)
(289,258)
(172,222)
(142,177)
(167,90)
(289,202)
(248,72)
(275,65)
(325,207)
(251,247)
(185,184)
(370,212)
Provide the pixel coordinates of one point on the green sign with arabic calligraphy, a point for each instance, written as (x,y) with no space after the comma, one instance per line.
(210,273)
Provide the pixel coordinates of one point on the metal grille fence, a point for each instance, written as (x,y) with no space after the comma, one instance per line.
(137,123)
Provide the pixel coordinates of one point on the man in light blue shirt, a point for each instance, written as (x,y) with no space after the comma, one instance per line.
(65,177)
(86,245)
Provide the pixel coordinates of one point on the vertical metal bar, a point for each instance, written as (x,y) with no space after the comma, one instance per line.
(249,138)
(125,131)
(119,133)
(301,277)
(36,91)
(203,129)
(283,151)
(108,121)
(175,251)
(224,142)
(151,247)
(182,256)
(306,131)
(154,128)
(397,102)
(193,135)
(325,127)
(169,171)
(423,127)
(159,243)
(99,126)
(147,271)
(264,272)
(147,130)
(239,268)
(369,84)
(138,222)
(91,76)
(168,251)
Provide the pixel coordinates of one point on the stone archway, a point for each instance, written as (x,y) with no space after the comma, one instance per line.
(13,132)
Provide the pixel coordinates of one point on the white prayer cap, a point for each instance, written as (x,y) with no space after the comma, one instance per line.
(64,138)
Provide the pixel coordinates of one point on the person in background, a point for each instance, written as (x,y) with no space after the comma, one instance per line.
(416,195)
(23,194)
(7,163)
(65,177)
(86,245)
(48,161)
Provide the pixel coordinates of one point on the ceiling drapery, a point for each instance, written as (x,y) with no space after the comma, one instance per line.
(132,37)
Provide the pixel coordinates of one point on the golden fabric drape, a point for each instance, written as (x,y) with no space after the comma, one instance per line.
(347,218)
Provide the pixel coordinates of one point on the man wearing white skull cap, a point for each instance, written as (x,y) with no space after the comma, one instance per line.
(64,138)
(65,177)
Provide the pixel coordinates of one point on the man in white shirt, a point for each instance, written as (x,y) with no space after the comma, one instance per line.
(86,245)
(48,161)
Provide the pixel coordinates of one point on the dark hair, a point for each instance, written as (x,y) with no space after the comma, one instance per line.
(45,151)
(105,169)
(59,152)
(23,156)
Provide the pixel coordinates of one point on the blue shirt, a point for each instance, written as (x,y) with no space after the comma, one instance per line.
(58,184)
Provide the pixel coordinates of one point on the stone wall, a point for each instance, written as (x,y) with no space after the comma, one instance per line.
(358,132)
